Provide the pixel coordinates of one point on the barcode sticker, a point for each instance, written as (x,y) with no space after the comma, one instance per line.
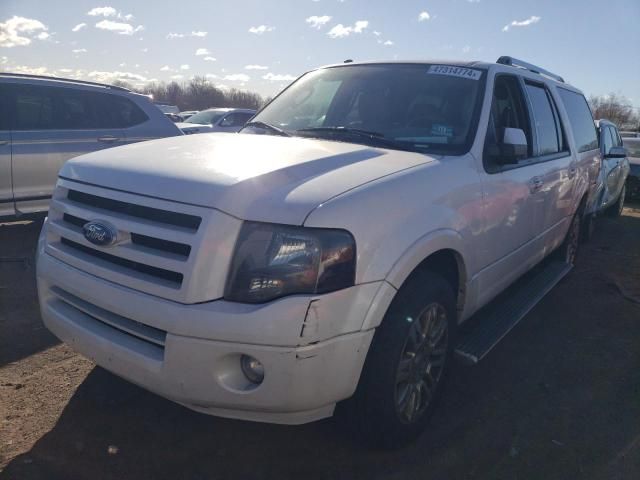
(452,71)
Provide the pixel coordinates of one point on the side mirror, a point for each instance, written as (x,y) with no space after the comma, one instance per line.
(616,152)
(513,146)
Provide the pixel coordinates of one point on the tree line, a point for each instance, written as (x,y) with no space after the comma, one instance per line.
(617,109)
(198,94)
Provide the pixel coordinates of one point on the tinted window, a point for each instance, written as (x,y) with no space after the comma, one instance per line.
(507,111)
(33,109)
(430,108)
(242,118)
(580,119)
(548,139)
(4,108)
(74,110)
(607,140)
(617,141)
(206,117)
(118,112)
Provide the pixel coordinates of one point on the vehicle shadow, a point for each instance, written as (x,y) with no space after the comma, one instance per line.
(557,398)
(21,330)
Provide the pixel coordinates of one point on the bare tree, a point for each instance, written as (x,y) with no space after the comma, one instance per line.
(616,108)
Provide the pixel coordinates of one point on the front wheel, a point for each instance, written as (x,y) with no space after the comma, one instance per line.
(407,364)
(615,210)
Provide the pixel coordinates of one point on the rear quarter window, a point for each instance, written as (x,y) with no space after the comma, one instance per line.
(580,120)
(119,112)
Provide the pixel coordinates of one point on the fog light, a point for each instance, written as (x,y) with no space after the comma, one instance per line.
(252,369)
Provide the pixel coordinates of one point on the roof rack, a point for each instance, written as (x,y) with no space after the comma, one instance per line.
(514,62)
(61,79)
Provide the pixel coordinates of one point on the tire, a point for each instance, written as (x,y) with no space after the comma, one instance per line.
(615,210)
(402,382)
(568,251)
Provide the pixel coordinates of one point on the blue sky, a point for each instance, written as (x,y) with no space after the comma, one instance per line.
(263,44)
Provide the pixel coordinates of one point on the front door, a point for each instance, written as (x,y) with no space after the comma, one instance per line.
(513,192)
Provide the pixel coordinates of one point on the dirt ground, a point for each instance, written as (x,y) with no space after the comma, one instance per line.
(559,397)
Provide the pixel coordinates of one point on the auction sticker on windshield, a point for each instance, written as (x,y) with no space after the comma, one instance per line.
(451,71)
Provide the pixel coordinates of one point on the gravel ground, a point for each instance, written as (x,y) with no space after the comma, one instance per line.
(559,397)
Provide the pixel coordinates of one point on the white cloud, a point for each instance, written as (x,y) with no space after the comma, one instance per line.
(184,67)
(119,27)
(103,12)
(177,77)
(202,52)
(522,23)
(30,70)
(3,60)
(210,59)
(318,22)
(79,27)
(42,36)
(166,68)
(237,77)
(340,31)
(260,29)
(211,75)
(256,67)
(388,43)
(110,77)
(79,50)
(278,78)
(377,33)
(466,49)
(183,35)
(424,16)
(18,31)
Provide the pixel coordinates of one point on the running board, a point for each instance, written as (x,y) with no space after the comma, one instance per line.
(493,322)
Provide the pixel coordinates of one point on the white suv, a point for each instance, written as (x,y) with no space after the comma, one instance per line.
(45,121)
(330,251)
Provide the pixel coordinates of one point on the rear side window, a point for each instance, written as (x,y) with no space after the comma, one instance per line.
(75,110)
(4,108)
(548,130)
(580,119)
(119,112)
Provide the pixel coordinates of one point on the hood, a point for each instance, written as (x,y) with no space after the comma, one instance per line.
(253,177)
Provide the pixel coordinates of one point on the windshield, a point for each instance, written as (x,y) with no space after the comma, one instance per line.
(633,147)
(431,108)
(208,117)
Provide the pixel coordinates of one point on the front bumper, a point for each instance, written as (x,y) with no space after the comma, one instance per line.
(192,353)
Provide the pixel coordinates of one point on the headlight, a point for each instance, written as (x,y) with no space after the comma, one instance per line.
(272,261)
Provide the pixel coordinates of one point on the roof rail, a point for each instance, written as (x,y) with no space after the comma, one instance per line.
(62,79)
(514,62)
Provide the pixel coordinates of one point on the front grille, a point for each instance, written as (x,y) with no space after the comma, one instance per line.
(183,220)
(155,272)
(163,248)
(159,244)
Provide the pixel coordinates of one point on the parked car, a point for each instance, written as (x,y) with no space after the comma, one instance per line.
(630,134)
(331,251)
(45,121)
(174,117)
(217,120)
(189,113)
(614,171)
(167,108)
(633,180)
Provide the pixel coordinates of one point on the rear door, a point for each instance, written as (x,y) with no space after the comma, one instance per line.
(6,193)
(51,125)
(615,168)
(557,167)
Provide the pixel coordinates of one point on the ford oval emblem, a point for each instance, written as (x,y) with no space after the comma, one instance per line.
(100,233)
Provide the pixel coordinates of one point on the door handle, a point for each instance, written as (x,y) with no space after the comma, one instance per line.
(572,170)
(108,139)
(535,184)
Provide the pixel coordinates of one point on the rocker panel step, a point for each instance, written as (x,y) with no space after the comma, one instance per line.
(493,322)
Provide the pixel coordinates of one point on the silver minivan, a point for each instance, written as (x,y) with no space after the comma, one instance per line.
(614,171)
(45,121)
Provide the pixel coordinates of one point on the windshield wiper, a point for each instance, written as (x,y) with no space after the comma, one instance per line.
(375,137)
(267,126)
